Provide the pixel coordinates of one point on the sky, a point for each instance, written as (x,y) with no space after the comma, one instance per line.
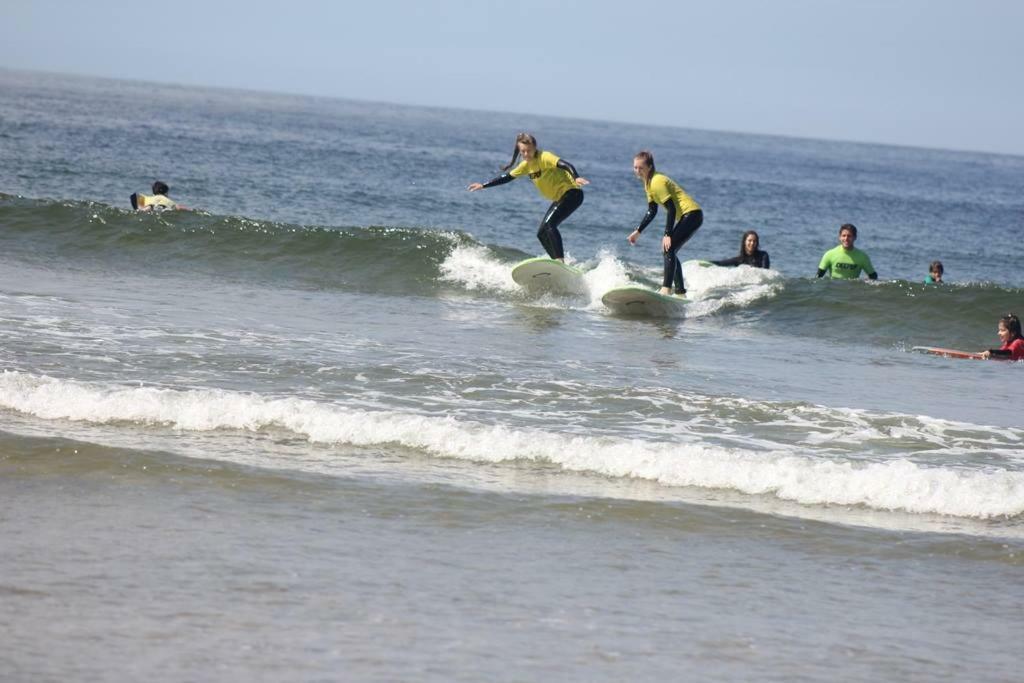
(929,73)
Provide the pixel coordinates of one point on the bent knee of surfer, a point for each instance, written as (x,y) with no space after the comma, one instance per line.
(548,232)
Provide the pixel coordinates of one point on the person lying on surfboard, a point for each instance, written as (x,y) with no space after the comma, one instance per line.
(750,253)
(1013,341)
(683,217)
(158,201)
(555,178)
(845,262)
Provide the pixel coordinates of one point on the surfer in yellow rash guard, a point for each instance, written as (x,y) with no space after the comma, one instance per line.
(158,201)
(555,178)
(684,217)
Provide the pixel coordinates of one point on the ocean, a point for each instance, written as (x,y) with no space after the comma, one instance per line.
(311,429)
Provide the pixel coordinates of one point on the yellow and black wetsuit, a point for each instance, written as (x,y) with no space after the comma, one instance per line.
(555,179)
(683,217)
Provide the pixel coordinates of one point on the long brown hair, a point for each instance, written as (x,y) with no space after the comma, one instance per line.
(648,160)
(522,137)
(743,242)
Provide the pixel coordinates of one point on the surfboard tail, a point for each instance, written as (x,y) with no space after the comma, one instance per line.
(548,275)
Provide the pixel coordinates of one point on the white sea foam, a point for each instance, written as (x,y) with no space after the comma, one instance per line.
(895,484)
(609,273)
(475,268)
(709,289)
(713,288)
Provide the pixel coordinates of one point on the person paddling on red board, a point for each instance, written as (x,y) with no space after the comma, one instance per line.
(556,179)
(683,216)
(1013,341)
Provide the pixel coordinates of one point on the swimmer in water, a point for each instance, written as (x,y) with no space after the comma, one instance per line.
(846,262)
(158,201)
(750,253)
(935,271)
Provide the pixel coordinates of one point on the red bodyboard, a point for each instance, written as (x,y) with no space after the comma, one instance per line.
(948,353)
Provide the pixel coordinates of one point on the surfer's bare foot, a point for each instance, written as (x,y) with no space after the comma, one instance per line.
(666,291)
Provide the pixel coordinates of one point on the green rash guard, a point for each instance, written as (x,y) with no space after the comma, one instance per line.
(846,265)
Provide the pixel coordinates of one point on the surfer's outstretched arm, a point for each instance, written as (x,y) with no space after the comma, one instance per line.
(500,180)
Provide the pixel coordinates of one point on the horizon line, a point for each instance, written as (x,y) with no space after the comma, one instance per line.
(485,110)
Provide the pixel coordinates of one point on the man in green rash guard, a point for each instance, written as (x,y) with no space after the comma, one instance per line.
(845,262)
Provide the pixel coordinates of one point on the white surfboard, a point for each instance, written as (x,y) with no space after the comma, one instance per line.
(548,275)
(641,301)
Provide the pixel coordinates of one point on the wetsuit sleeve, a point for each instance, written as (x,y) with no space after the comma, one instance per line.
(729,262)
(670,217)
(500,180)
(999,353)
(766,262)
(825,264)
(869,268)
(566,166)
(652,211)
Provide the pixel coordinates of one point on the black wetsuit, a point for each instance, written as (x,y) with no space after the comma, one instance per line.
(559,210)
(680,233)
(759,259)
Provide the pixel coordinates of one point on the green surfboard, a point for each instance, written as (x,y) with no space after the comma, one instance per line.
(548,275)
(643,302)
